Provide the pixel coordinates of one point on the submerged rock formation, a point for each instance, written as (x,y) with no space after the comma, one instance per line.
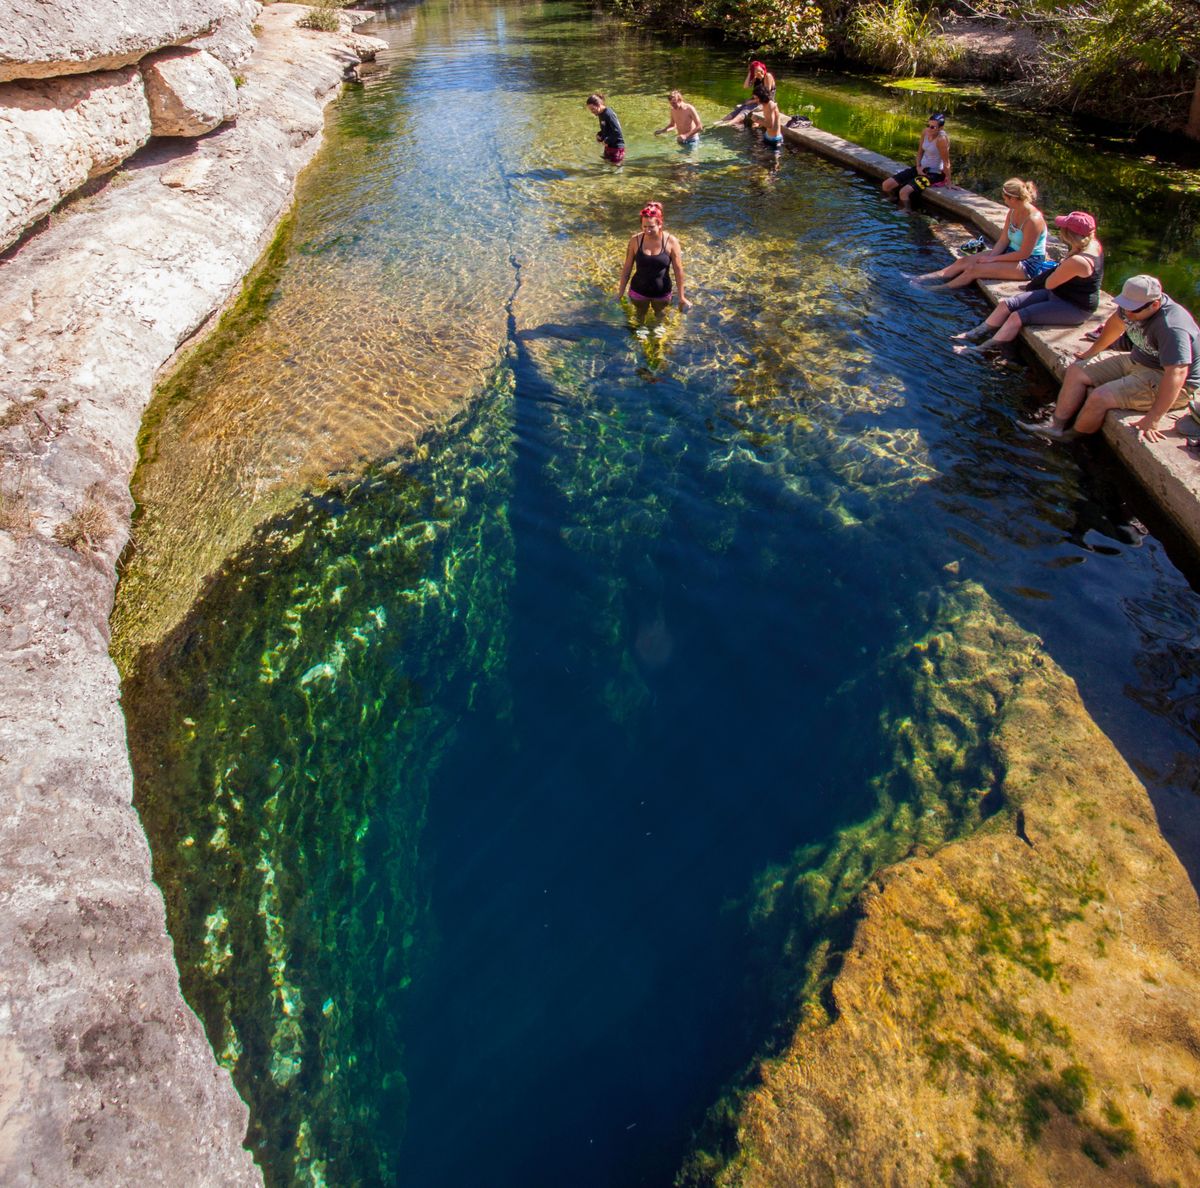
(1017,1007)
(108,1075)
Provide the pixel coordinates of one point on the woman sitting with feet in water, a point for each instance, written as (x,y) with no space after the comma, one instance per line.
(650,258)
(1019,253)
(761,82)
(1068,296)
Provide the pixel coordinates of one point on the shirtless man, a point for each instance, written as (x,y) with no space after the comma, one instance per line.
(770,121)
(684,119)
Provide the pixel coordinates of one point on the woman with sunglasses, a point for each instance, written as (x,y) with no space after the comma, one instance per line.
(1068,296)
(1018,254)
(933,163)
(650,258)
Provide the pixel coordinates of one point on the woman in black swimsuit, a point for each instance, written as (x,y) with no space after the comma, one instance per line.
(761,83)
(651,257)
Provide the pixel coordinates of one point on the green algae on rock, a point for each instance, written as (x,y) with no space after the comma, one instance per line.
(276,847)
(1014,1006)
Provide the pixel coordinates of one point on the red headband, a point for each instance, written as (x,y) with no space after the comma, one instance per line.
(652,210)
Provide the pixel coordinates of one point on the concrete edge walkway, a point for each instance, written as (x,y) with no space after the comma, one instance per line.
(1165,469)
(106,1074)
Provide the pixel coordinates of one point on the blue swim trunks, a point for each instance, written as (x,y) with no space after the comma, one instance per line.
(774,142)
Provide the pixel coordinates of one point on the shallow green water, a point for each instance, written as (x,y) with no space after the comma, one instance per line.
(470,773)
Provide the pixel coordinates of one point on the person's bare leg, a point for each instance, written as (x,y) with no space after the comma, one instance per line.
(1095,408)
(976,270)
(1072,394)
(953,269)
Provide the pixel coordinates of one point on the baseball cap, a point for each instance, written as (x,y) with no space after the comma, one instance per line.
(1138,291)
(1078,222)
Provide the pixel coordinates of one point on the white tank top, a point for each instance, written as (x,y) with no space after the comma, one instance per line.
(931,158)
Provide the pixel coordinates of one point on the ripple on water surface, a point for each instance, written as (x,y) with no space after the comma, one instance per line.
(499,795)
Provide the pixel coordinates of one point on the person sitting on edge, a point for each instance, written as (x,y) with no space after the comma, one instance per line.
(685,119)
(1064,297)
(1157,370)
(762,83)
(650,258)
(1019,253)
(610,128)
(933,162)
(771,122)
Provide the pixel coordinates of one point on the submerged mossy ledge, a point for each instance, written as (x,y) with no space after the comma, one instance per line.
(1016,1007)
(109,1077)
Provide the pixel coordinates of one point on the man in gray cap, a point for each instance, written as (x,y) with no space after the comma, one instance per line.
(1157,370)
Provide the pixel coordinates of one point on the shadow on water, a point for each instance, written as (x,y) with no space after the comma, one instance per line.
(508,798)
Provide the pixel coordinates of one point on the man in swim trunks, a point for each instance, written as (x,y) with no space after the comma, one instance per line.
(685,119)
(771,122)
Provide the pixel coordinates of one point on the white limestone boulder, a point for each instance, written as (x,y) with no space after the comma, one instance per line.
(55,134)
(189,92)
(233,42)
(46,38)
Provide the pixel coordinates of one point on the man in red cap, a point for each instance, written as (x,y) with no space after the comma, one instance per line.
(1156,370)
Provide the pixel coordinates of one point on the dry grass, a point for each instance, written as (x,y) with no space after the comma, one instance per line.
(14,513)
(86,529)
(14,414)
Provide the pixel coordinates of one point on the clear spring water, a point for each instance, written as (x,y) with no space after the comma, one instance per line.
(462,773)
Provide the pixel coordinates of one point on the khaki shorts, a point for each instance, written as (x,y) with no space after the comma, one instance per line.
(1131,385)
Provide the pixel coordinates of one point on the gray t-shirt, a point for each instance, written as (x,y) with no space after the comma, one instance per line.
(1167,339)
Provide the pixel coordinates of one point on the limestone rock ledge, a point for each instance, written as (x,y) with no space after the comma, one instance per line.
(41,40)
(1017,1007)
(57,133)
(107,1075)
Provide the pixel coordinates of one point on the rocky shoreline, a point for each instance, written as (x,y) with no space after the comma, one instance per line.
(108,1074)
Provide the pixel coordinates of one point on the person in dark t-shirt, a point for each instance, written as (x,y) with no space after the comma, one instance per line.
(1156,370)
(610,128)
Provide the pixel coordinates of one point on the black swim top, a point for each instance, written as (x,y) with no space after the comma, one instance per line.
(762,92)
(610,129)
(1084,291)
(652,271)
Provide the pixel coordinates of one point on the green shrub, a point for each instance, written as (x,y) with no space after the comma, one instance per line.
(323,19)
(899,36)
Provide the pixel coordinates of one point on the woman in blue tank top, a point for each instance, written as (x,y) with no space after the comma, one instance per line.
(1068,296)
(1019,253)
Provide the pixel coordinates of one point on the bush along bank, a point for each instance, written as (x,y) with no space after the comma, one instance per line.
(1135,63)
